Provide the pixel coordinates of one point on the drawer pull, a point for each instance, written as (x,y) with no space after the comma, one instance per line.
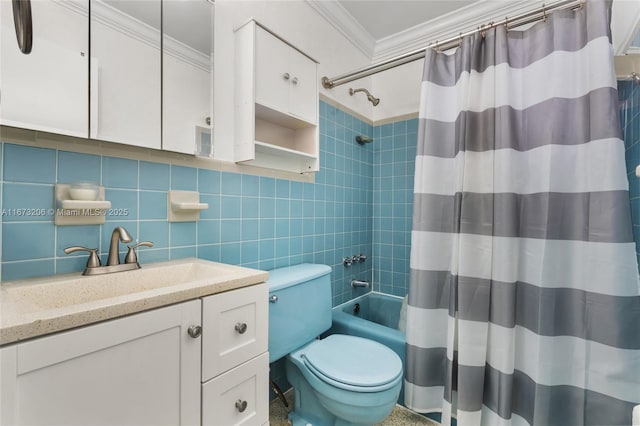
(273,299)
(241,405)
(194,331)
(241,327)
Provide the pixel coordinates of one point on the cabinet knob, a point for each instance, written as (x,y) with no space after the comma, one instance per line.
(273,298)
(241,405)
(286,76)
(241,327)
(295,80)
(194,331)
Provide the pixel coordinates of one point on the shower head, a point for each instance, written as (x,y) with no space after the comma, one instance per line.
(375,101)
(362,139)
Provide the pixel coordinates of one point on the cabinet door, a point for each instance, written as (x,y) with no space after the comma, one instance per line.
(139,370)
(239,396)
(47,88)
(234,328)
(272,71)
(286,79)
(125,72)
(303,93)
(187,76)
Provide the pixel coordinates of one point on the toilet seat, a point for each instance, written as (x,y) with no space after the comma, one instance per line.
(353,363)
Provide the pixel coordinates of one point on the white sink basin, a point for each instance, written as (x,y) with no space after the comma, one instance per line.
(66,291)
(38,306)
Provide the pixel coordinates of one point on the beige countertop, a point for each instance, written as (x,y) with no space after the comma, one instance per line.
(35,307)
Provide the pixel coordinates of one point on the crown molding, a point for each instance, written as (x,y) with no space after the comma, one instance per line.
(335,14)
(625,21)
(419,36)
(449,25)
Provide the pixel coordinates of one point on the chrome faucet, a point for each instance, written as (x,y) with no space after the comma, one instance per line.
(359,283)
(118,234)
(113,261)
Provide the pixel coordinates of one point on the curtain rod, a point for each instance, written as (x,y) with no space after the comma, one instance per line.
(450,43)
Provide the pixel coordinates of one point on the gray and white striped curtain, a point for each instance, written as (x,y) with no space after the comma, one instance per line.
(524,299)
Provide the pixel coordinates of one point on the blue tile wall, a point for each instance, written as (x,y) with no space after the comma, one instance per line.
(629,95)
(252,221)
(394,163)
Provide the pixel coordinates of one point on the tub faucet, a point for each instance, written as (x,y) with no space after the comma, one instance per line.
(359,283)
(118,234)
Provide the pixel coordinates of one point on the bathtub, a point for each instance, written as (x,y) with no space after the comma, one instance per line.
(373,316)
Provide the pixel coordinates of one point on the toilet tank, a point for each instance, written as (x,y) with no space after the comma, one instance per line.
(299,306)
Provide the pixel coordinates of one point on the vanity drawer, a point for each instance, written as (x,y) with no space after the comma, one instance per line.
(238,397)
(234,328)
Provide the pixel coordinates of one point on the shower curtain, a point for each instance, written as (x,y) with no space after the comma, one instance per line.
(524,299)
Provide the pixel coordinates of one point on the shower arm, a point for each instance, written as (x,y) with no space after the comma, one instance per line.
(375,101)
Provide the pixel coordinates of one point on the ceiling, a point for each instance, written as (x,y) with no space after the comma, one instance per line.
(385,18)
(383,29)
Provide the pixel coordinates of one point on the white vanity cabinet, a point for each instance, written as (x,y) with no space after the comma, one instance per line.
(202,361)
(235,362)
(276,102)
(46,89)
(142,369)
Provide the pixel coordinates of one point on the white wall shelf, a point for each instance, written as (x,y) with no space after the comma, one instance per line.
(184,206)
(277,157)
(276,103)
(79,212)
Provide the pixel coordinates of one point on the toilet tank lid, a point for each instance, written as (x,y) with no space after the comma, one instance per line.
(291,275)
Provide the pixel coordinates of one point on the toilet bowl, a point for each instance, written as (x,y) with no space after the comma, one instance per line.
(338,380)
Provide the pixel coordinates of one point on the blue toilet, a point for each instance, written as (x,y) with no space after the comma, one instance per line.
(339,380)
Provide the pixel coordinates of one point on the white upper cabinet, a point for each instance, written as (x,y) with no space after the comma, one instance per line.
(286,79)
(125,72)
(276,102)
(187,76)
(46,88)
(103,69)
(303,91)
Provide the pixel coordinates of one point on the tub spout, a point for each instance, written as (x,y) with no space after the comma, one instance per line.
(359,283)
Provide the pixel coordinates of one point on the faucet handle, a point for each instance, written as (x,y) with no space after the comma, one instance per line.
(131,254)
(93,261)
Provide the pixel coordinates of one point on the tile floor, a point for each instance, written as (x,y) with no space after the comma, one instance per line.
(400,416)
